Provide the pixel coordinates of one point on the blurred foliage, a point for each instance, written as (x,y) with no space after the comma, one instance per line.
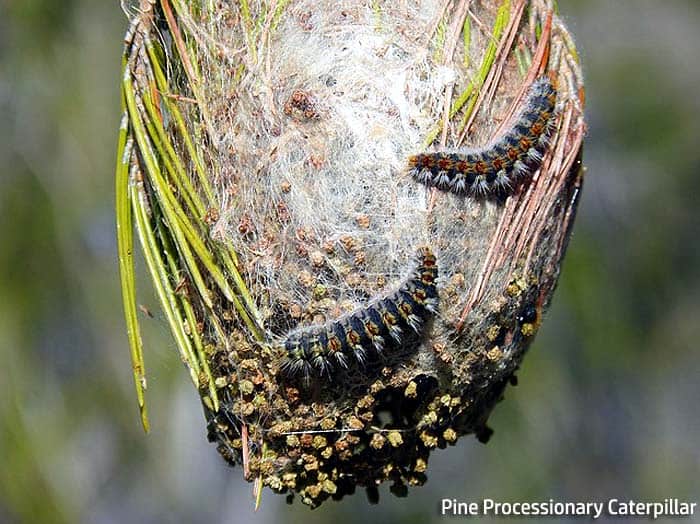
(607,403)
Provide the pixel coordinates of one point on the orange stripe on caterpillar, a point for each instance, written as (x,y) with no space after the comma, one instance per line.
(499,166)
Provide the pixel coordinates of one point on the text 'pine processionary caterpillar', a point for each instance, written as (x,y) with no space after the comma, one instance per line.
(379,325)
(497,167)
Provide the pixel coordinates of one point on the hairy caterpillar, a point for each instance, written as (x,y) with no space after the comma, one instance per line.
(498,166)
(375,327)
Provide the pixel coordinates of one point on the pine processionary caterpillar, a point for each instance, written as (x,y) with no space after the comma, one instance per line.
(497,167)
(375,327)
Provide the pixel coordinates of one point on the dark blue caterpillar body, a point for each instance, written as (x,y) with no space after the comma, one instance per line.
(500,165)
(380,325)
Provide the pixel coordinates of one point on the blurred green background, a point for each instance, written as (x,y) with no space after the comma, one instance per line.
(608,399)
